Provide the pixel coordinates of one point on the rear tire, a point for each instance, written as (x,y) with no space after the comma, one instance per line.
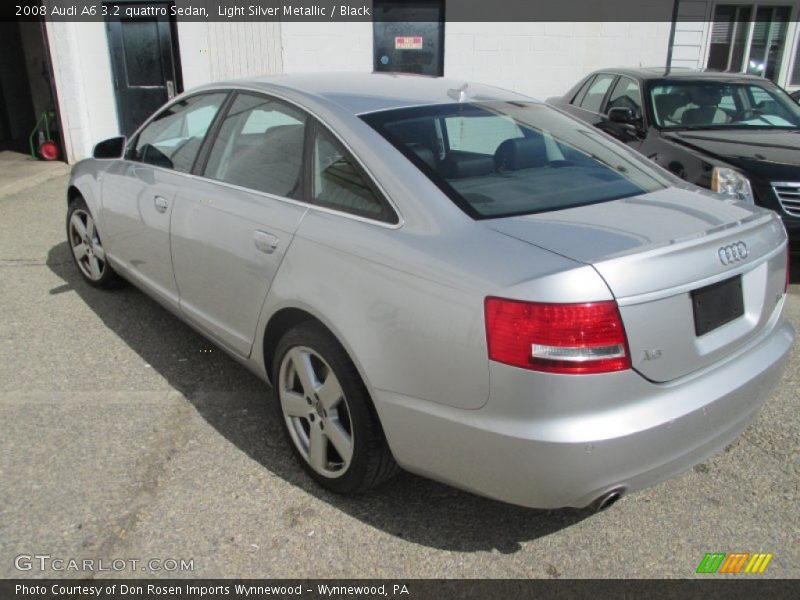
(327,413)
(87,248)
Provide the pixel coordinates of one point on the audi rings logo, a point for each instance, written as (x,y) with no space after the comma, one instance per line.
(733,253)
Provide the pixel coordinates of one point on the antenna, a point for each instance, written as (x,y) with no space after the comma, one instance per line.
(459,94)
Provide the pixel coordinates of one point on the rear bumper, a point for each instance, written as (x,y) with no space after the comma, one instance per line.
(550,441)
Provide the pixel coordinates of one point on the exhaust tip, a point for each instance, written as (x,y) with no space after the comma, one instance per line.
(607,499)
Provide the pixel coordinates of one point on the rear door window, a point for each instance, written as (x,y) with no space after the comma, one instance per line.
(596,93)
(581,92)
(259,146)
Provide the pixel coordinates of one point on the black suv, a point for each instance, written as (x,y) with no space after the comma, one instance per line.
(735,134)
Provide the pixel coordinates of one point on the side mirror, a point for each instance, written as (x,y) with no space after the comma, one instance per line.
(111,148)
(623,115)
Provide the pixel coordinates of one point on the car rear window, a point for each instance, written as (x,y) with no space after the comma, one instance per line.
(498,159)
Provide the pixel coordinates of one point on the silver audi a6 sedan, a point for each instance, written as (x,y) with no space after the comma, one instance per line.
(448,277)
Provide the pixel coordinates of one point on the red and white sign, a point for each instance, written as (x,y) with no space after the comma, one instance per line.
(408,42)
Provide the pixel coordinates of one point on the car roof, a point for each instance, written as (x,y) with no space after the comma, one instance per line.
(678,73)
(359,93)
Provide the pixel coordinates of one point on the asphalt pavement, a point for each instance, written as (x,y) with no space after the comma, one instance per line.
(127,436)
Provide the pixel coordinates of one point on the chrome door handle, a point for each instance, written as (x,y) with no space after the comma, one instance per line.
(266,242)
(162,204)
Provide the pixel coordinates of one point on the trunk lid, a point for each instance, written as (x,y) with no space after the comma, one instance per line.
(653,251)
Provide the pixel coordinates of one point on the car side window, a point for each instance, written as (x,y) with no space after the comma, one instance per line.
(577,98)
(626,94)
(173,138)
(728,103)
(259,146)
(596,92)
(339,184)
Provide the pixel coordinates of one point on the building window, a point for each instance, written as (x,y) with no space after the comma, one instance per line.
(795,77)
(729,37)
(749,39)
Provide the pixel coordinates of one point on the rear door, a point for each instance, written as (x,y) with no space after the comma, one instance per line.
(232,225)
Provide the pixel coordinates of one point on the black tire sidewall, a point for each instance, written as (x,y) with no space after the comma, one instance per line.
(362,415)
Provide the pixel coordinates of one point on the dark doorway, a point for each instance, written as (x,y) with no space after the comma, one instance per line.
(144,60)
(28,98)
(409,36)
(17,116)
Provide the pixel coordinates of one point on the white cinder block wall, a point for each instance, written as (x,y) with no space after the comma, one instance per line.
(539,59)
(217,51)
(316,47)
(546,59)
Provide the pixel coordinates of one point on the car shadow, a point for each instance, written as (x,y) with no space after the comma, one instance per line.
(410,507)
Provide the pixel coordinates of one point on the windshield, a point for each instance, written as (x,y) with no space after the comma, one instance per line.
(719,105)
(498,159)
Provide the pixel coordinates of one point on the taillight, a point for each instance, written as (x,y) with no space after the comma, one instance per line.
(557,338)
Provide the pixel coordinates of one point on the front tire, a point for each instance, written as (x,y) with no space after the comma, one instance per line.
(87,248)
(327,413)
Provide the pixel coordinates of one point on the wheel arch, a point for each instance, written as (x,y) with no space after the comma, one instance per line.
(285,318)
(85,182)
(84,190)
(72,193)
(279,323)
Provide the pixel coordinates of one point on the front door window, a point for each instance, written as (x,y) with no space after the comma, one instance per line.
(173,138)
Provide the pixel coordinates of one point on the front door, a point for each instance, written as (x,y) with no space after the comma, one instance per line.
(139,192)
(409,36)
(143,62)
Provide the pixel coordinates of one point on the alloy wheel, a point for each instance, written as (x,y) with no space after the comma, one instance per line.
(86,245)
(316,411)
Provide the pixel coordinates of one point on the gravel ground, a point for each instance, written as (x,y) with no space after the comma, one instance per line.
(125,435)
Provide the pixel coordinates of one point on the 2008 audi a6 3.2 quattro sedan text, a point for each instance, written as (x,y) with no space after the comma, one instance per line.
(448,277)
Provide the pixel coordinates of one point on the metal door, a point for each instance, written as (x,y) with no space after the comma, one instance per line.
(144,64)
